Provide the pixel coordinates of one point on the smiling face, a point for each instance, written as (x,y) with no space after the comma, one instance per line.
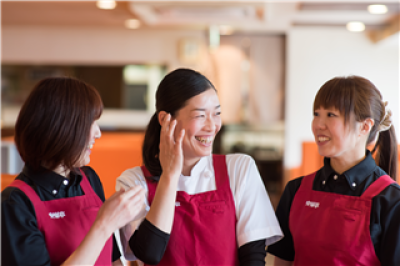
(201,119)
(95,133)
(334,138)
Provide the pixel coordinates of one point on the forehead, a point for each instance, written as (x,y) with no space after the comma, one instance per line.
(204,100)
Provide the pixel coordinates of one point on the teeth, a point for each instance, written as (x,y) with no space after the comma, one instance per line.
(323,139)
(204,140)
(90,146)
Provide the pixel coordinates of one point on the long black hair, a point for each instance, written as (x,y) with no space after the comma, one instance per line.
(174,91)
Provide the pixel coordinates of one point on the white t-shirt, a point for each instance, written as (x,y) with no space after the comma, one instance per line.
(254,213)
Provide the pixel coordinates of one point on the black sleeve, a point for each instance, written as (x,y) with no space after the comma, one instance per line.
(22,242)
(148,243)
(253,253)
(284,248)
(387,210)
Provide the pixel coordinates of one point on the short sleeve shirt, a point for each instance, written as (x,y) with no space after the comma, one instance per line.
(254,213)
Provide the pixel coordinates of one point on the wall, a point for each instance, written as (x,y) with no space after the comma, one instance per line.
(317,54)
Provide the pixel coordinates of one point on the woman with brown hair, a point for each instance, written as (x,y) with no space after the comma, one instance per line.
(53,213)
(346,213)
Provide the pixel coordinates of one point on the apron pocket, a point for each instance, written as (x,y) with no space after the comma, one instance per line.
(213,206)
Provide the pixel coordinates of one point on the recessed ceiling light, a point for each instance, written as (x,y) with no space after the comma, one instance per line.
(132,23)
(355,26)
(106,4)
(377,9)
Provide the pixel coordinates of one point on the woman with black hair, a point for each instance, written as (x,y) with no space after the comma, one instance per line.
(200,208)
(347,212)
(53,212)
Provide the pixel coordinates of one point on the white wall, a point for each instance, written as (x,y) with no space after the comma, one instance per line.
(317,54)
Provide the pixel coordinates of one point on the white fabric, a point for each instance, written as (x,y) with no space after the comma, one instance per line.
(255,215)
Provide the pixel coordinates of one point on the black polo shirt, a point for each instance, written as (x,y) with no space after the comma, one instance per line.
(385,209)
(22,242)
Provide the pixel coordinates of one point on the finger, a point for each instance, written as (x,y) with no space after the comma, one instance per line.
(165,124)
(171,130)
(131,192)
(180,138)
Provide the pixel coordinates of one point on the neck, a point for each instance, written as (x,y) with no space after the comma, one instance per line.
(61,170)
(344,163)
(188,166)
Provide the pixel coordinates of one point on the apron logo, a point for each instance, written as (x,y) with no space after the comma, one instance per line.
(177,204)
(57,215)
(312,204)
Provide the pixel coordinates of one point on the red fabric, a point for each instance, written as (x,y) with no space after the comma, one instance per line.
(65,222)
(204,228)
(332,229)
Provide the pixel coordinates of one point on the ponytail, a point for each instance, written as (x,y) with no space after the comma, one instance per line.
(387,156)
(151,147)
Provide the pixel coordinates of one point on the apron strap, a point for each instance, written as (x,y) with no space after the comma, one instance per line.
(377,186)
(220,171)
(307,182)
(28,190)
(85,184)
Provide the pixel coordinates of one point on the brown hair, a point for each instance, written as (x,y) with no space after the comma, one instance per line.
(53,126)
(358,95)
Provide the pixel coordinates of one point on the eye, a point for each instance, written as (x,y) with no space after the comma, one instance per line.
(200,116)
(218,113)
(331,114)
(316,114)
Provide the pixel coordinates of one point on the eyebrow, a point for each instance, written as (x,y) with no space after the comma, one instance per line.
(203,109)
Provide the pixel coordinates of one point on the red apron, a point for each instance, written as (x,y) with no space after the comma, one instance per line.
(332,229)
(65,222)
(204,228)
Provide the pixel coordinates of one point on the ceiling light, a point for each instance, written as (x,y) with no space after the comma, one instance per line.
(132,23)
(377,9)
(106,4)
(355,26)
(225,29)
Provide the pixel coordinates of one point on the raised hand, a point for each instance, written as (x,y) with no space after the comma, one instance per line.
(121,208)
(171,155)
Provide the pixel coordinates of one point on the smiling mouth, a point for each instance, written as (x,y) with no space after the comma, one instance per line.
(322,139)
(207,140)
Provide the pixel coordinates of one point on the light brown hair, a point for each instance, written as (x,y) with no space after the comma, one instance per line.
(359,96)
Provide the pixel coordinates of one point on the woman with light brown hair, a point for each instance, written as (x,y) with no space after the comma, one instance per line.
(347,212)
(53,212)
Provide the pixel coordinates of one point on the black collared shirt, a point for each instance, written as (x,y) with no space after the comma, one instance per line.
(385,209)
(22,242)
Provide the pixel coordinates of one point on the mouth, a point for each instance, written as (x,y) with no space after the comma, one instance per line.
(323,139)
(207,141)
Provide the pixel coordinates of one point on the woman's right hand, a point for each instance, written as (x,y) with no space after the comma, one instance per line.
(171,154)
(121,208)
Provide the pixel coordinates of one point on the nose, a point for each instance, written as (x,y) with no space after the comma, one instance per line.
(319,123)
(97,132)
(210,124)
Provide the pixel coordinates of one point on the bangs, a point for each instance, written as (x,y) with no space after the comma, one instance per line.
(337,93)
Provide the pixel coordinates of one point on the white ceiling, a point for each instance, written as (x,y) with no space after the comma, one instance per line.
(243,16)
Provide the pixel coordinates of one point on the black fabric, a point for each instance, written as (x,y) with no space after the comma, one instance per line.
(22,242)
(253,253)
(148,243)
(385,210)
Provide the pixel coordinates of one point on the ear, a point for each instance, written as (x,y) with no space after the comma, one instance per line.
(161,116)
(366,126)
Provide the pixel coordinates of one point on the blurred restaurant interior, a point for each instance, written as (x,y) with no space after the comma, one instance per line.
(267,60)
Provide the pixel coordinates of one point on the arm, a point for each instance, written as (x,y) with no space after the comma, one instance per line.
(19,226)
(115,213)
(146,237)
(284,249)
(253,253)
(281,262)
(161,213)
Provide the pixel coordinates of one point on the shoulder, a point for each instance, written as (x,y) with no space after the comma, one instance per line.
(13,198)
(239,158)
(131,177)
(90,173)
(94,181)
